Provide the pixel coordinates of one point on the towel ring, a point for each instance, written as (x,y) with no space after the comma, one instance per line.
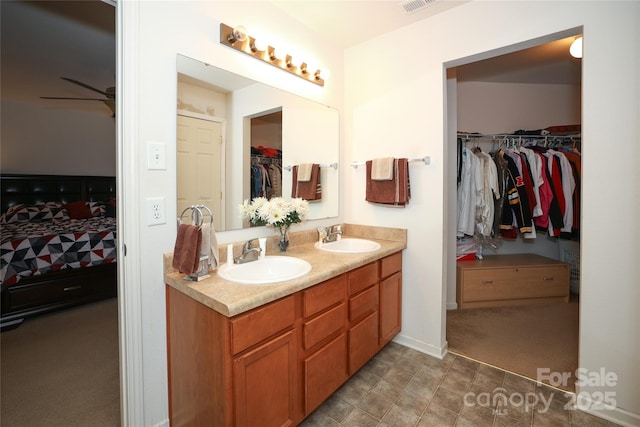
(197,217)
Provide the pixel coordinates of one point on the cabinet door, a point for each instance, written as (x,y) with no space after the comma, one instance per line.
(264,383)
(363,342)
(390,307)
(324,372)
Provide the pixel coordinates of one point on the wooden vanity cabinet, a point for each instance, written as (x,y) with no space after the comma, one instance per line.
(275,364)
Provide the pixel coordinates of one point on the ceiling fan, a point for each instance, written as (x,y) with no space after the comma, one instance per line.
(109,94)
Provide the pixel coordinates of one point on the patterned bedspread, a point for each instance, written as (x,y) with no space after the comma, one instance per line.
(34,248)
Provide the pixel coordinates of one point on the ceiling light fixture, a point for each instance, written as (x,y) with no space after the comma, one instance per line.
(576,48)
(237,38)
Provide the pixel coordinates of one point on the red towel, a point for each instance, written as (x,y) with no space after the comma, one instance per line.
(395,192)
(186,253)
(309,190)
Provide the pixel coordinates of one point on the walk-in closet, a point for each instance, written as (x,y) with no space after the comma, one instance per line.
(515,300)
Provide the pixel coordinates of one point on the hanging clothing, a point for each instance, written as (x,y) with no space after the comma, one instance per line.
(469,193)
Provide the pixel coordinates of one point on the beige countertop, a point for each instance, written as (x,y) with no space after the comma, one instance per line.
(231,299)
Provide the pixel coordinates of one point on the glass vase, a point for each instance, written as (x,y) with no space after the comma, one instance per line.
(284,240)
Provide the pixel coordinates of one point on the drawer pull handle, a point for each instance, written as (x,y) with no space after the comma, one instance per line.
(72,288)
(487,282)
(547,278)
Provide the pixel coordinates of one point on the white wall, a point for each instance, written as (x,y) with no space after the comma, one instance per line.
(487,107)
(40,140)
(398,108)
(153,34)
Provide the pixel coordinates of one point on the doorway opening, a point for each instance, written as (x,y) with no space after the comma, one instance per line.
(513,288)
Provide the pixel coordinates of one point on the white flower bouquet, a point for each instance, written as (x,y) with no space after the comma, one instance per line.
(275,212)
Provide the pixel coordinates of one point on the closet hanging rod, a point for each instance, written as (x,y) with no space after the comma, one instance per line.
(499,136)
(425,159)
(322,165)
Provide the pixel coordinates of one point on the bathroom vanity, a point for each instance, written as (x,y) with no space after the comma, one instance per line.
(247,355)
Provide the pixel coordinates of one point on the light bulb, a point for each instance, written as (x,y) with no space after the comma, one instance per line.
(310,68)
(279,53)
(576,48)
(259,45)
(293,61)
(239,34)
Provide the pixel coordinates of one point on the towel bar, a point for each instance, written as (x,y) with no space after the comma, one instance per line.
(322,165)
(425,159)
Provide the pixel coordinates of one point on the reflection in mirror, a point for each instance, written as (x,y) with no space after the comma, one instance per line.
(228,124)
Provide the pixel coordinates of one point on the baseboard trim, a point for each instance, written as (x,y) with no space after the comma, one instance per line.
(421,346)
(452,306)
(615,415)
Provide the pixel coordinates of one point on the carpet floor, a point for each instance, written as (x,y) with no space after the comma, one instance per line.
(519,339)
(62,369)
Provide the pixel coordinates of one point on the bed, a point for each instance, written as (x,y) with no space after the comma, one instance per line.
(58,243)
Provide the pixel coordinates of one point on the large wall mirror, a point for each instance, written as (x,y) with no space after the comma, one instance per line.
(229,127)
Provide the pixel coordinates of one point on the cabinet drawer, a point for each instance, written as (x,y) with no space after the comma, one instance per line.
(363,342)
(391,264)
(324,326)
(515,282)
(324,295)
(251,328)
(26,296)
(324,372)
(364,303)
(363,277)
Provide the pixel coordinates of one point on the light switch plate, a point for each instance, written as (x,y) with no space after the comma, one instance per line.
(156,156)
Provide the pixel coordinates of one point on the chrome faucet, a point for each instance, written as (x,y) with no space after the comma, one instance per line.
(248,253)
(330,234)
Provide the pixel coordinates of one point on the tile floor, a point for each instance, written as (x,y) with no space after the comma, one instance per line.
(403,387)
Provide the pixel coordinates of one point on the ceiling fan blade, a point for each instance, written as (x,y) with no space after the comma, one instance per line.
(77,99)
(85,86)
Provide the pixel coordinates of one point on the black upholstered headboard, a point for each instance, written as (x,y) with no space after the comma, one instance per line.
(32,189)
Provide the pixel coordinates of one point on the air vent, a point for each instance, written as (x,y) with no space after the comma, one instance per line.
(412,6)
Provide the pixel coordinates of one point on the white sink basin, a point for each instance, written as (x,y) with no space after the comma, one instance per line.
(270,269)
(349,245)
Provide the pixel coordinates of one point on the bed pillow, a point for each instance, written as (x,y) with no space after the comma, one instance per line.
(78,210)
(110,209)
(96,208)
(36,213)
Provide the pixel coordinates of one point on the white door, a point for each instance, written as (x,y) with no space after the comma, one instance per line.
(200,162)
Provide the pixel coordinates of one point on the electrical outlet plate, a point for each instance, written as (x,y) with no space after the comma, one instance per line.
(155,211)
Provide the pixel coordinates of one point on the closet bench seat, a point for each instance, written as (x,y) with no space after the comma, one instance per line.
(515,279)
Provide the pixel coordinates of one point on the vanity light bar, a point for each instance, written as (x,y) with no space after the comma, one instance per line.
(330,165)
(425,159)
(238,39)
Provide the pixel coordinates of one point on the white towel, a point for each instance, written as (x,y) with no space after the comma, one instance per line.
(382,169)
(209,246)
(304,172)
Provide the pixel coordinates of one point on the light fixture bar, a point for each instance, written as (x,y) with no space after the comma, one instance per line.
(249,46)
